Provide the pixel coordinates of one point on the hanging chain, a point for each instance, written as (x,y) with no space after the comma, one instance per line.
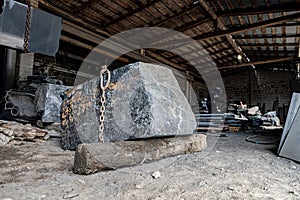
(103,99)
(27,26)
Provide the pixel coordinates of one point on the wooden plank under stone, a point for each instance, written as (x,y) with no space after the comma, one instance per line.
(95,157)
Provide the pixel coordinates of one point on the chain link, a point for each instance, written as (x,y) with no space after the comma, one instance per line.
(103,100)
(27,27)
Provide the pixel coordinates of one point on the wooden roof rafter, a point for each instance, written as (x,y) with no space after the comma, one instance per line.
(238,37)
(264,23)
(260,10)
(220,25)
(257,63)
(132,12)
(83,6)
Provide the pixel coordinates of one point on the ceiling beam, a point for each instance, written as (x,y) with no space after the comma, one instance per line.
(252,52)
(221,25)
(220,51)
(90,47)
(187,26)
(238,37)
(182,12)
(263,44)
(83,6)
(132,12)
(97,39)
(262,24)
(273,26)
(214,44)
(257,63)
(81,24)
(287,7)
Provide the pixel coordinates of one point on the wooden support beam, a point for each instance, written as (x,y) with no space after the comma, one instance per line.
(239,37)
(132,12)
(214,44)
(220,51)
(97,39)
(221,26)
(256,63)
(176,15)
(95,157)
(90,47)
(225,33)
(256,52)
(84,5)
(287,7)
(285,24)
(183,28)
(82,25)
(263,44)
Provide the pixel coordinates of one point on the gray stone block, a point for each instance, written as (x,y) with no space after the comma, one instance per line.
(48,100)
(143,101)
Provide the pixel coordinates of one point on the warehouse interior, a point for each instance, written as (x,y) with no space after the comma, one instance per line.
(236,64)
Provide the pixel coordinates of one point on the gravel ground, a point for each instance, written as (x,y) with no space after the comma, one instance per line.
(230,168)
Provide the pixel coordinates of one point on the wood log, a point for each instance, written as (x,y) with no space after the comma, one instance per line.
(95,157)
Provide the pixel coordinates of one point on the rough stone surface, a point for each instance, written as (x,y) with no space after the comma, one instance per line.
(143,100)
(48,101)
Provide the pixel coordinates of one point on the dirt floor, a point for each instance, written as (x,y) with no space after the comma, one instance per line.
(230,169)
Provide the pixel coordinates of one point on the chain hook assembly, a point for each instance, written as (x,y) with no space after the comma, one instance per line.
(103,88)
(27,27)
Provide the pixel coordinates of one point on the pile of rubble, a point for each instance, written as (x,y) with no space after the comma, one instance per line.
(17,133)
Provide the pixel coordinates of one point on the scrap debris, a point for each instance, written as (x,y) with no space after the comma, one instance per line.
(14,131)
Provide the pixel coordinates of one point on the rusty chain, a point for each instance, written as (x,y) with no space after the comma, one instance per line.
(102,99)
(27,26)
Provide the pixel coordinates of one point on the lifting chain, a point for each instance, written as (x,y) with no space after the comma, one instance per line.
(27,26)
(102,99)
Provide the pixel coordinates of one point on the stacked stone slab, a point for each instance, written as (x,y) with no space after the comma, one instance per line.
(143,101)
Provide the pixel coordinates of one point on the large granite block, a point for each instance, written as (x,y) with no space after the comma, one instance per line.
(48,100)
(143,101)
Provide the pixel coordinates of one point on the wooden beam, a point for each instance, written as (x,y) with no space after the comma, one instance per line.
(84,5)
(263,44)
(257,63)
(220,25)
(90,47)
(97,39)
(182,12)
(132,12)
(187,26)
(220,51)
(95,157)
(238,37)
(273,26)
(71,17)
(214,44)
(104,35)
(286,7)
(270,22)
(254,52)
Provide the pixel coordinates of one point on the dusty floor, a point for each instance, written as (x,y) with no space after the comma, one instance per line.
(231,169)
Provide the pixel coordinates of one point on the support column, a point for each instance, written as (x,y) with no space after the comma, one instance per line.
(25,66)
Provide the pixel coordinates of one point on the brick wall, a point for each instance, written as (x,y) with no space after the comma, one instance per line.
(263,86)
(267,86)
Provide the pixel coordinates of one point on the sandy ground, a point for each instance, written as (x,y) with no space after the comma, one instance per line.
(230,169)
